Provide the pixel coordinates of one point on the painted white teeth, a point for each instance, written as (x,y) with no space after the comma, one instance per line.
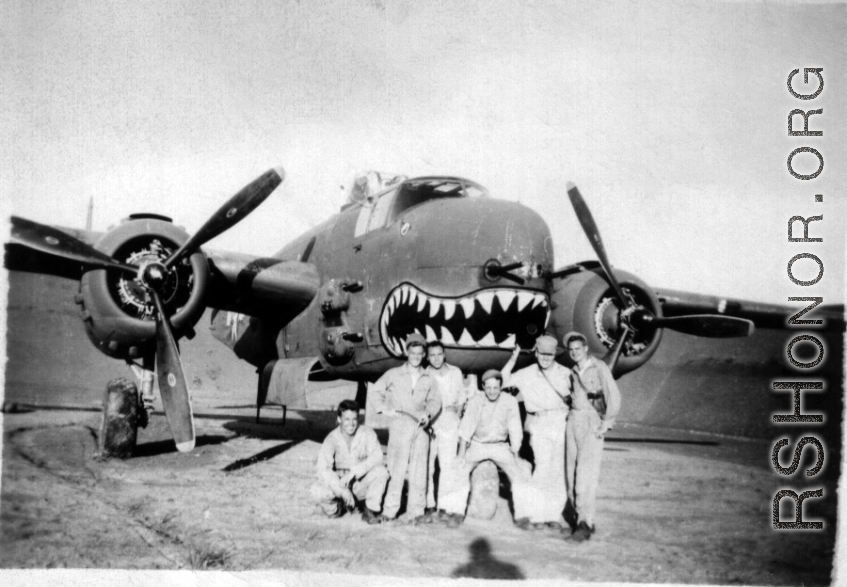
(430,333)
(446,337)
(505,298)
(449,308)
(409,296)
(524,298)
(466,339)
(434,306)
(485,300)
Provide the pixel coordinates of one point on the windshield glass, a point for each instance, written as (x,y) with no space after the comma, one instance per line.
(422,189)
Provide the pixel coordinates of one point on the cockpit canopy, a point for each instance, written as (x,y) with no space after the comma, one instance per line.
(383,208)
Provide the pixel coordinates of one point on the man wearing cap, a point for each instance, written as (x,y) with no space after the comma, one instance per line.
(543,387)
(489,430)
(453,393)
(350,467)
(596,401)
(407,395)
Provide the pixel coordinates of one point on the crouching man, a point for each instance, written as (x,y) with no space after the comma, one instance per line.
(350,468)
(489,430)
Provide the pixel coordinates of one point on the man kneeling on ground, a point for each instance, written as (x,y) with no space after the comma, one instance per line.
(489,430)
(350,467)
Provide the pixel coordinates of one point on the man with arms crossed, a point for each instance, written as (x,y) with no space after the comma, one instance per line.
(451,389)
(544,387)
(407,395)
(595,402)
(490,420)
(350,467)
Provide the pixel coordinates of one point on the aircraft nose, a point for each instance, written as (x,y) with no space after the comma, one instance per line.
(467,233)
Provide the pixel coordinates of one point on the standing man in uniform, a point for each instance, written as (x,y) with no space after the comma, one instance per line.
(407,395)
(451,389)
(596,401)
(489,430)
(350,467)
(544,387)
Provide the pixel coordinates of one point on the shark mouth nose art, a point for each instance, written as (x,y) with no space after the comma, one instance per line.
(497,317)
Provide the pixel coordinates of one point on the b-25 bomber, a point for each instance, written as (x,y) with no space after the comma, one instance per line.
(434,255)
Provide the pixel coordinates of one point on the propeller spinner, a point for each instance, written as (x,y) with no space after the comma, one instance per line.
(635,317)
(153,277)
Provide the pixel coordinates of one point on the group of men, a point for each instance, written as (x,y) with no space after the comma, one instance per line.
(434,416)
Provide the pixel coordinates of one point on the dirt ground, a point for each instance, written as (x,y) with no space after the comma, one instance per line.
(672,508)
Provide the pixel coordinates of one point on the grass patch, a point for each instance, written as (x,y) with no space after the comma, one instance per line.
(204,557)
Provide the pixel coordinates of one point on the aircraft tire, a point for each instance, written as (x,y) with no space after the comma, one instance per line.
(122,413)
(485,491)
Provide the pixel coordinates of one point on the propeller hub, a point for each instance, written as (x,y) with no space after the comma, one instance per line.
(153,275)
(637,317)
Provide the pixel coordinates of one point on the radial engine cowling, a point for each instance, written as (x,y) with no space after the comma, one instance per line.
(115,308)
(585,302)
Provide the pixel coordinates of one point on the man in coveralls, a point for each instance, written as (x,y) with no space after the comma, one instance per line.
(544,387)
(407,395)
(489,430)
(595,402)
(451,389)
(350,467)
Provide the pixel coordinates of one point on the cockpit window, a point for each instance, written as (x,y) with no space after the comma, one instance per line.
(383,209)
(422,189)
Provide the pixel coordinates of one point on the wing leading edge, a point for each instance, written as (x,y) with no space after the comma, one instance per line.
(678,303)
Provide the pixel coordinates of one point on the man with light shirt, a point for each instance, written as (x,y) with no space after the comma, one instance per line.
(407,395)
(451,389)
(544,387)
(350,468)
(490,430)
(595,403)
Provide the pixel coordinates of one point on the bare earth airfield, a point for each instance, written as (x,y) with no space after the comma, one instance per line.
(685,495)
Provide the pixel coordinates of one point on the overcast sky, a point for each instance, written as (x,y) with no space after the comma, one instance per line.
(671,117)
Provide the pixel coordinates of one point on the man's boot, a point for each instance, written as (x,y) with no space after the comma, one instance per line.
(582,533)
(372,517)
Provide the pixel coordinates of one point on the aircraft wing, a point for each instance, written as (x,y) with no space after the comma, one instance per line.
(259,286)
(679,303)
(247,284)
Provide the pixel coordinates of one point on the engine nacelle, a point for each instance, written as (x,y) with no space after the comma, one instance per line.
(117,311)
(585,302)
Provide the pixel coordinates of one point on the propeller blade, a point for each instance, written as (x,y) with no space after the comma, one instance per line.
(55,242)
(705,325)
(231,213)
(611,358)
(172,386)
(586,220)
